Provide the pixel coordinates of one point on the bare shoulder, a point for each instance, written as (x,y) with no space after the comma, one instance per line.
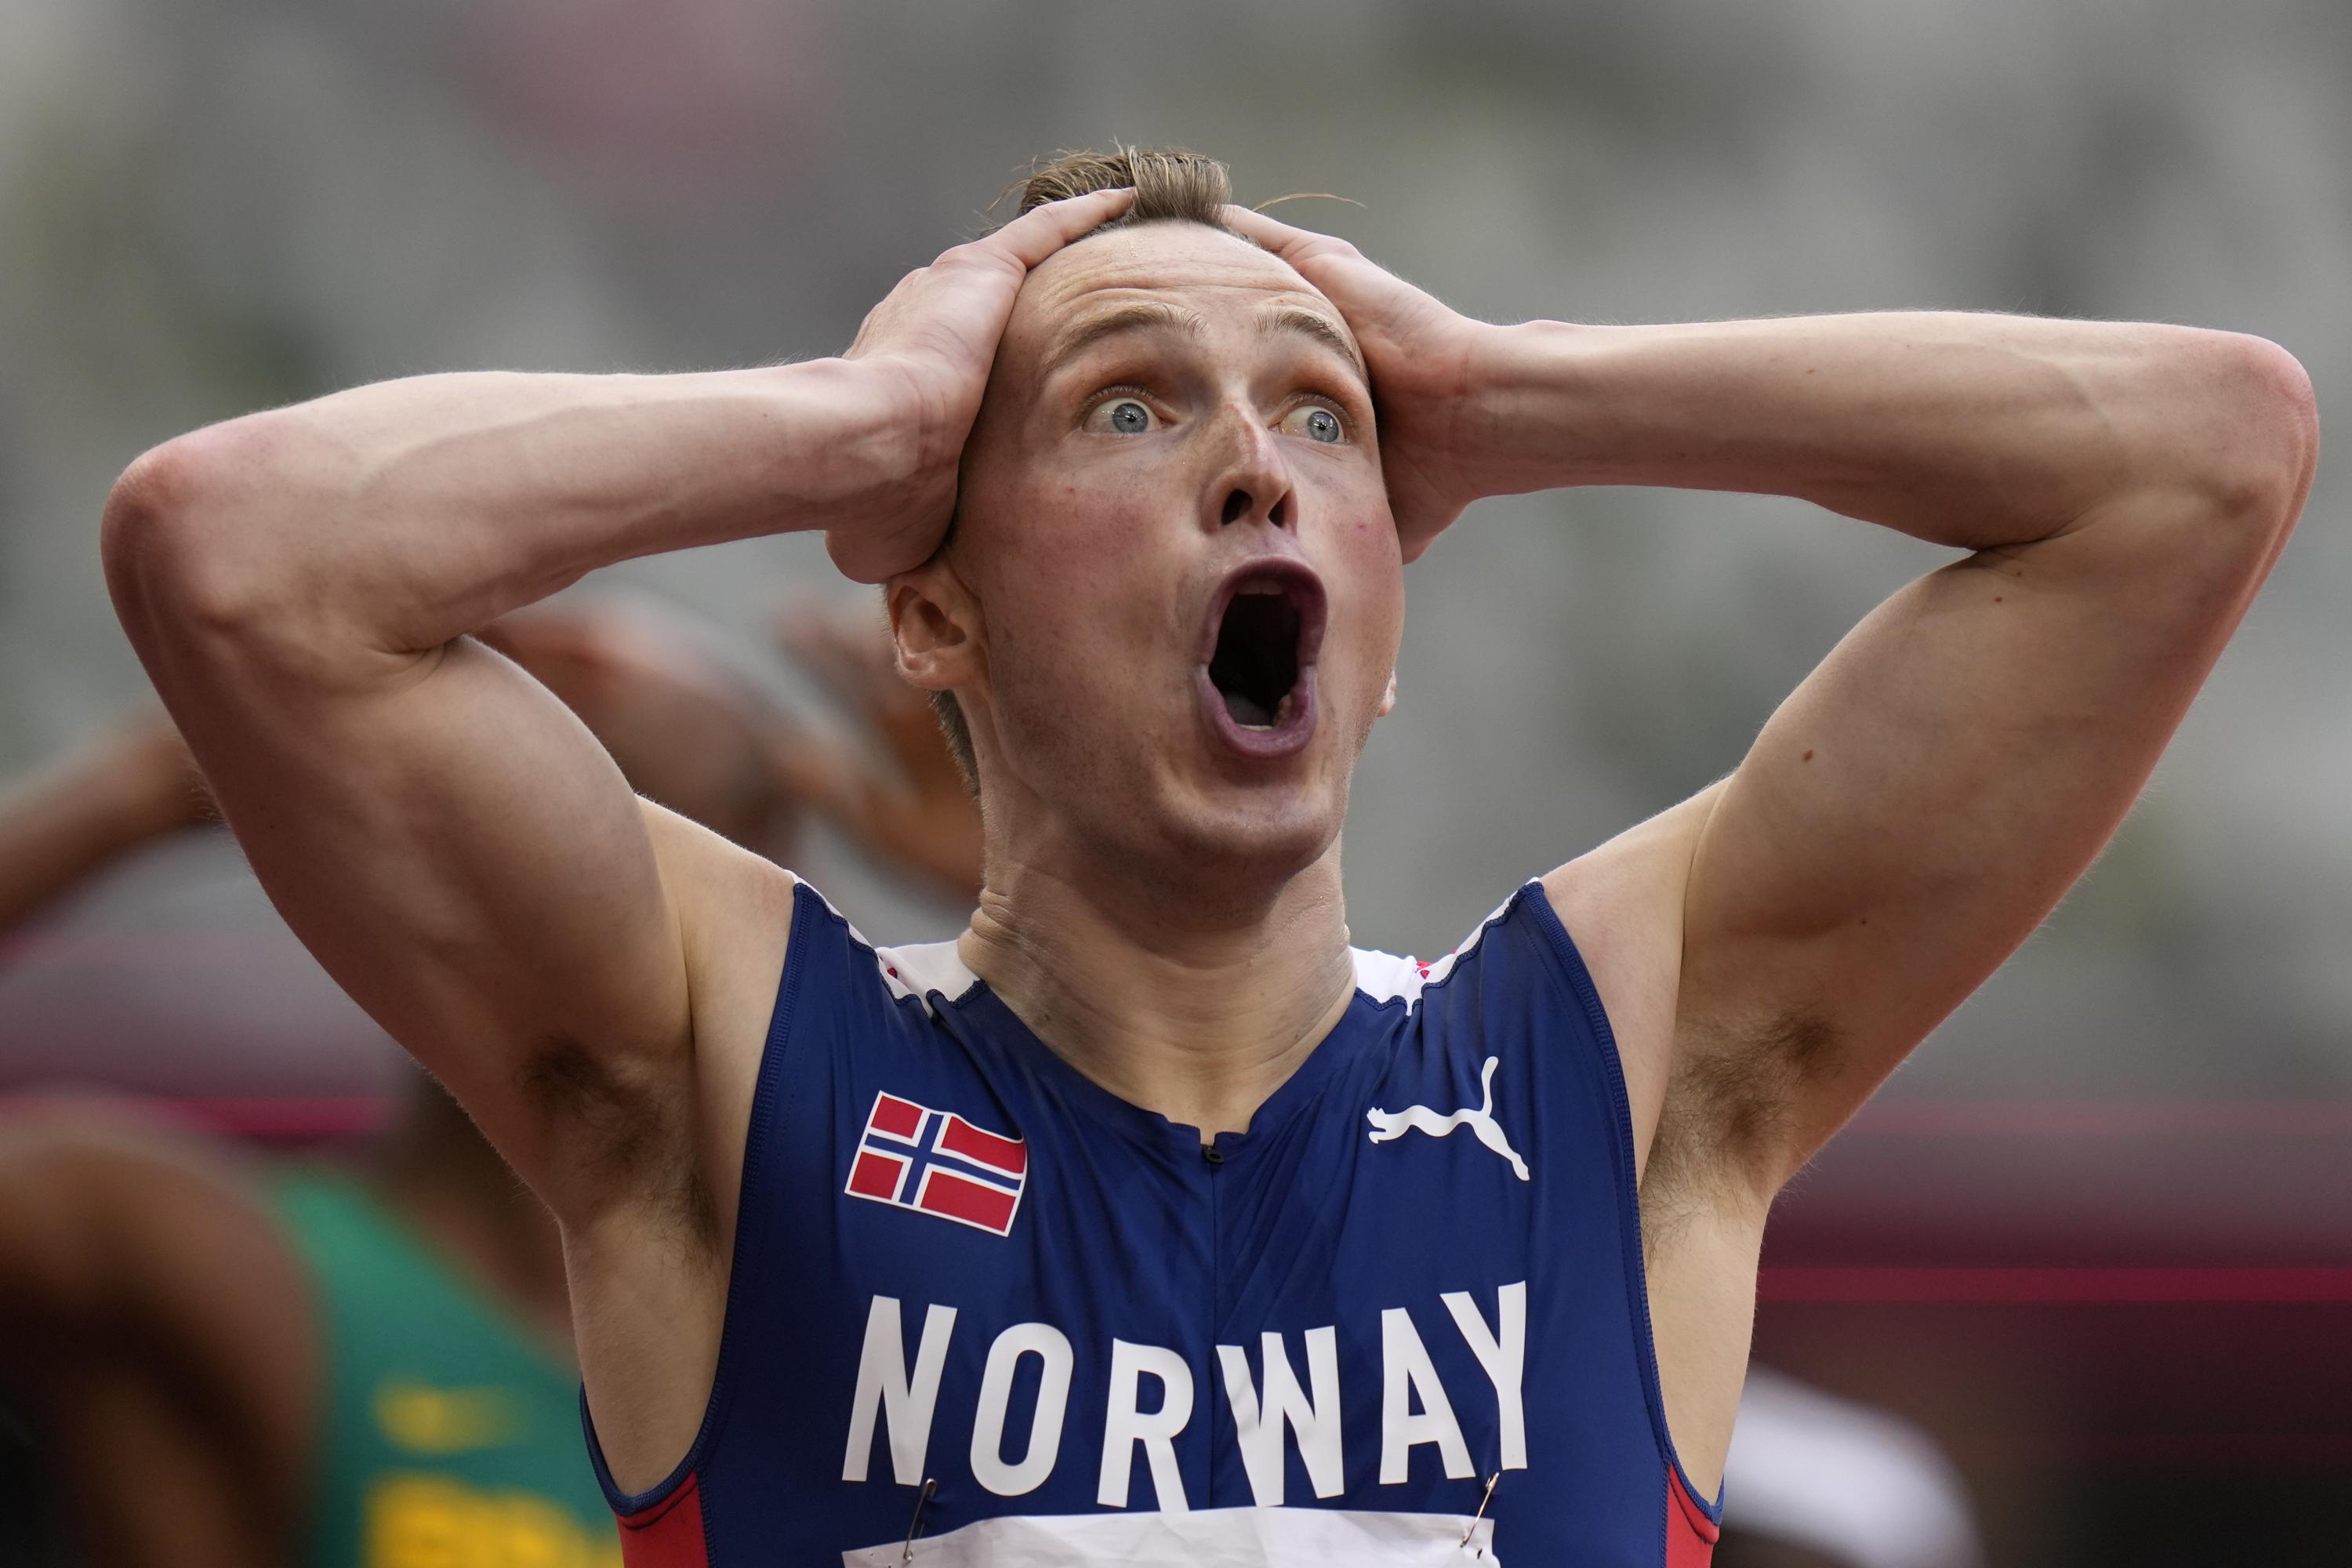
(735,914)
(649,1265)
(1622,904)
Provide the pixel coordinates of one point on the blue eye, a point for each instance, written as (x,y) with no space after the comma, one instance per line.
(1130,417)
(1314,422)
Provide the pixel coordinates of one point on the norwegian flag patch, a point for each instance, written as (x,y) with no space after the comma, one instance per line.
(936,1162)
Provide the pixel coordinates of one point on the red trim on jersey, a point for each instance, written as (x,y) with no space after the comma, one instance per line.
(1690,1534)
(669,1533)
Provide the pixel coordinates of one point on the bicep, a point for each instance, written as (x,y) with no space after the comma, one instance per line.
(469,863)
(1921,802)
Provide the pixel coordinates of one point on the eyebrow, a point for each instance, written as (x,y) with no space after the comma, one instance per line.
(1317,326)
(1141,316)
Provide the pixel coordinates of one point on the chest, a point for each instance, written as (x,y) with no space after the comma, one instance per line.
(1403,1295)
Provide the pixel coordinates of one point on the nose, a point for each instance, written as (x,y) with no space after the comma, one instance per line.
(1252,482)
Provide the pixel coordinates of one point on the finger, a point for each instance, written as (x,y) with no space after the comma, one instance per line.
(1272,234)
(1041,231)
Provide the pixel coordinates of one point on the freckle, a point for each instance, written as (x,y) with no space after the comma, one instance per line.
(1866,920)
(1996,598)
(1809,753)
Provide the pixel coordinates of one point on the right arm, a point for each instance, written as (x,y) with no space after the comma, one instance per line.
(442,833)
(445,835)
(585,974)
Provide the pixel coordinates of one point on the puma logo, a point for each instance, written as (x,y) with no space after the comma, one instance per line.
(1390,1124)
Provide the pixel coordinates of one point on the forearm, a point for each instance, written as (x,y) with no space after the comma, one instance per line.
(398,516)
(1976,431)
(68,821)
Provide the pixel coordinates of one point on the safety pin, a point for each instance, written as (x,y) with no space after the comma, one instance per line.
(1487,1498)
(915,1521)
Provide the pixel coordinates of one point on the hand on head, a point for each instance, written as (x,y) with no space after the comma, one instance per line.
(932,339)
(1423,359)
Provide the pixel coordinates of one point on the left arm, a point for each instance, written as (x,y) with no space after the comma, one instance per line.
(1925,797)
(1922,800)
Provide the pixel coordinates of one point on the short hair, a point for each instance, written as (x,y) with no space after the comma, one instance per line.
(1172,185)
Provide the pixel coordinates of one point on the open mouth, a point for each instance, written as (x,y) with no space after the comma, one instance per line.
(1258,678)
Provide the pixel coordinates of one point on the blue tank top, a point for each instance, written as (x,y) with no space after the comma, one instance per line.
(982,1305)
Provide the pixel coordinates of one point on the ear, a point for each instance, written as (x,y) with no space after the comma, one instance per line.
(1387,698)
(936,625)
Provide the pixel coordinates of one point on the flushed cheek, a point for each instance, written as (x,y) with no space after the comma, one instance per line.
(1088,607)
(1366,567)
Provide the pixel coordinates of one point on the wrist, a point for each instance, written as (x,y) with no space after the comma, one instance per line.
(862,453)
(1541,399)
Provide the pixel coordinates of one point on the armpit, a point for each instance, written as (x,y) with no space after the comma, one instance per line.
(1729,1131)
(612,1134)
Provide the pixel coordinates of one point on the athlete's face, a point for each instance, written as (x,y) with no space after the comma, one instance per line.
(1178,552)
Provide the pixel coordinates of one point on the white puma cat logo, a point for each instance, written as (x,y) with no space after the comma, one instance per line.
(1387,1124)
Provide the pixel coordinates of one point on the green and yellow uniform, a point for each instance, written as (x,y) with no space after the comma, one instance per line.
(449,1437)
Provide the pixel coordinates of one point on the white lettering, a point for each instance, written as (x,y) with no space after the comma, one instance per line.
(1407,1373)
(883,1388)
(1504,1354)
(1124,1426)
(1052,1348)
(1318,1423)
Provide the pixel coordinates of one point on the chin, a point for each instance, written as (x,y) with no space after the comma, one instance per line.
(1248,837)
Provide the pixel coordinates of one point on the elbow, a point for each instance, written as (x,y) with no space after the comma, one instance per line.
(181,542)
(2260,449)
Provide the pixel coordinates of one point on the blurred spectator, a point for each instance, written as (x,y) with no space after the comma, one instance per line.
(223,1359)
(915,810)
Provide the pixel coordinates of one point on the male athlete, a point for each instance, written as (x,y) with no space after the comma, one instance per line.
(1078,1239)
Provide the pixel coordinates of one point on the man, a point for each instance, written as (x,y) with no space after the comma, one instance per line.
(1137,1222)
(361,1363)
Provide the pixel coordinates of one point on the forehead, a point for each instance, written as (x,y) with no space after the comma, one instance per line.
(1204,270)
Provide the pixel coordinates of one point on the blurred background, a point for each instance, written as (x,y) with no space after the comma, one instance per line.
(2094,1242)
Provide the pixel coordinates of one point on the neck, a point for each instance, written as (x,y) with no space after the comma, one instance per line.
(1199,1017)
(434,1168)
